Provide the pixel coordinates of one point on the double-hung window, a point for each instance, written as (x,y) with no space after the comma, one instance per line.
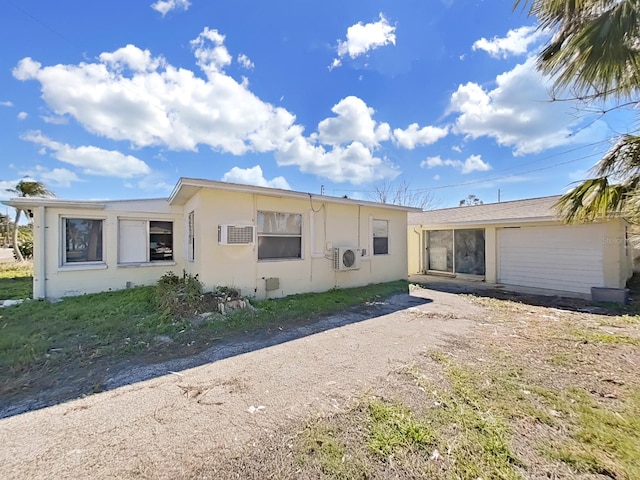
(83,241)
(279,236)
(380,237)
(142,241)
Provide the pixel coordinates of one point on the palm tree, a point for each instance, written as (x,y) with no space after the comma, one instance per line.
(595,52)
(25,188)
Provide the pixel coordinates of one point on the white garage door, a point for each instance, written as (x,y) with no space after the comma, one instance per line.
(565,258)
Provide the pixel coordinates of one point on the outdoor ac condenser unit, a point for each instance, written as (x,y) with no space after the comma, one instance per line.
(235,234)
(346,258)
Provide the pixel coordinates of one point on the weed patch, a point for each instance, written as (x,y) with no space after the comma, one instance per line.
(393,427)
(595,336)
(603,440)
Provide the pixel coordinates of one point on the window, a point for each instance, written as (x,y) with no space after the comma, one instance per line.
(83,240)
(441,250)
(469,251)
(191,238)
(457,251)
(143,241)
(380,237)
(279,235)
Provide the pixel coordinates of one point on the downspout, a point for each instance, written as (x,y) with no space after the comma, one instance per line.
(421,263)
(40,273)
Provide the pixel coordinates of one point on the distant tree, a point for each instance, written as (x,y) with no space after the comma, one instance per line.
(401,193)
(25,188)
(470,200)
(6,227)
(25,239)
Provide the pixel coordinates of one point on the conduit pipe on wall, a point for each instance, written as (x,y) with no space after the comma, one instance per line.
(40,290)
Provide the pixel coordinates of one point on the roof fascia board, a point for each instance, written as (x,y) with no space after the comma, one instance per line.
(275,192)
(509,221)
(45,202)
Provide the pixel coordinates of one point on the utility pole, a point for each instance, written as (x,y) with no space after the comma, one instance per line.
(498,195)
(321,189)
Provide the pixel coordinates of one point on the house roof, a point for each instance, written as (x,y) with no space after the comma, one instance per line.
(26,203)
(516,211)
(187,187)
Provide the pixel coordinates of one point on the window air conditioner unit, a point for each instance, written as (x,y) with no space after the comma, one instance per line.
(235,234)
(346,258)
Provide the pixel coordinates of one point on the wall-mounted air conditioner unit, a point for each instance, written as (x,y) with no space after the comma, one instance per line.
(236,234)
(346,258)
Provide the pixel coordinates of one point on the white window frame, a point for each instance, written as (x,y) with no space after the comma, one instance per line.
(63,242)
(373,252)
(273,235)
(147,260)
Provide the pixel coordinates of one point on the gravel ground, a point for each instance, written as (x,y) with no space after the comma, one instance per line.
(159,428)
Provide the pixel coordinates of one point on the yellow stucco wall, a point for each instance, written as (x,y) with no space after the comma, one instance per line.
(78,279)
(617,260)
(324,225)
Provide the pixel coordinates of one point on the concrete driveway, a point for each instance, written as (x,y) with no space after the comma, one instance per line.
(157,428)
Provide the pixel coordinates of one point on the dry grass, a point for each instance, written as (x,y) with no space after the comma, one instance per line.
(536,392)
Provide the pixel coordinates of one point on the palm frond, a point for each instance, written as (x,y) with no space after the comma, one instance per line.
(595,47)
(622,161)
(596,199)
(31,188)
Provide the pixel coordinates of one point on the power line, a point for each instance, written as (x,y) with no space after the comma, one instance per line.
(488,178)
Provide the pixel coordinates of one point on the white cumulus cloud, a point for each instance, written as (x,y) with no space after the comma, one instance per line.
(91,160)
(516,42)
(245,62)
(517,113)
(353,122)
(56,177)
(362,38)
(165,6)
(150,103)
(414,136)
(23,116)
(254,176)
(132,95)
(6,103)
(472,164)
(354,163)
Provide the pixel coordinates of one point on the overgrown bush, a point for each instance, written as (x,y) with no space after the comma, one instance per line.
(25,240)
(179,296)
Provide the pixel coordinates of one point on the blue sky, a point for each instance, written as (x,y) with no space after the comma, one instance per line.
(113,100)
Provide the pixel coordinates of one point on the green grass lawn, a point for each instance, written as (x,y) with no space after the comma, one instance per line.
(40,338)
(16,281)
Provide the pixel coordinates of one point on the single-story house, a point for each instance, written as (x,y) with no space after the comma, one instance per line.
(520,243)
(266,242)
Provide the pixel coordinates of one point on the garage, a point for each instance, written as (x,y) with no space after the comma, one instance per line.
(566,258)
(526,244)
